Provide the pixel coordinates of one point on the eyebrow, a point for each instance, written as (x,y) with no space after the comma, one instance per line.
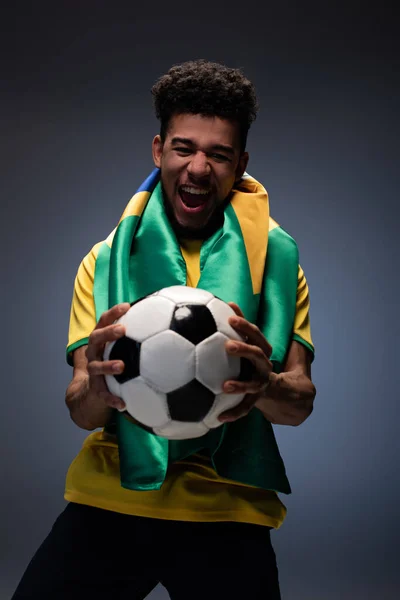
(189,142)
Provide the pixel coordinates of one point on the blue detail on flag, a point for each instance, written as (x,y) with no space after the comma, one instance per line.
(150,183)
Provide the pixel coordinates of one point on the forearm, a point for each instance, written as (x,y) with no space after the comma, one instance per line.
(86,409)
(289,398)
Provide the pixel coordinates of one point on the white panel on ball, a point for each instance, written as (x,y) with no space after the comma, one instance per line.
(111,382)
(113,385)
(222,403)
(182,293)
(213,364)
(148,317)
(167,361)
(221,313)
(107,350)
(176,430)
(145,404)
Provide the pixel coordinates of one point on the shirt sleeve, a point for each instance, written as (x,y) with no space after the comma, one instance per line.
(302,328)
(83,314)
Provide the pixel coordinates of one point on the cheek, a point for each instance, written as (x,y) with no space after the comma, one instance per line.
(227,182)
(170,174)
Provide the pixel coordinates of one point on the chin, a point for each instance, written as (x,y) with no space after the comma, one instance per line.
(189,230)
(192,224)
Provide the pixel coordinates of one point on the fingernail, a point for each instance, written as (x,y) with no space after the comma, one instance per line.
(230,388)
(226,419)
(119,405)
(119,329)
(117,368)
(233,347)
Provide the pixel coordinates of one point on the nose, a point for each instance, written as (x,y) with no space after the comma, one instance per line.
(199,166)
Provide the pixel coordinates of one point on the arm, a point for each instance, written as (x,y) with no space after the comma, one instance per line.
(290,395)
(86,411)
(87,397)
(284,399)
(288,399)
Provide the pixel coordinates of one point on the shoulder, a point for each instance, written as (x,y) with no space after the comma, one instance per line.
(98,248)
(280,240)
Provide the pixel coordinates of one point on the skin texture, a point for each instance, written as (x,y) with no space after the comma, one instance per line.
(203,153)
(284,399)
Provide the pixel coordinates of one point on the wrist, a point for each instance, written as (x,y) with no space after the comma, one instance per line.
(288,398)
(271,385)
(87,410)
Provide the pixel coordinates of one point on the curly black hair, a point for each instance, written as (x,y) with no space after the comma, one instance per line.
(205,88)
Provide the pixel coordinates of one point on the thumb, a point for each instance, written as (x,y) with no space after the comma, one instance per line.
(236,309)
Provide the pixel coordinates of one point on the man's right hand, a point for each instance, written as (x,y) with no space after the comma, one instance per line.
(89,401)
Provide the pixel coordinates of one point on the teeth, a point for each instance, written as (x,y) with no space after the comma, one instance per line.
(195,191)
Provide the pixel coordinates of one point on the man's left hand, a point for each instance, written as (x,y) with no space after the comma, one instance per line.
(257,350)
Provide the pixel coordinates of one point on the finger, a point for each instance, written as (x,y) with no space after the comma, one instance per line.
(98,339)
(241,410)
(254,354)
(112,401)
(251,333)
(236,308)
(106,367)
(109,316)
(255,386)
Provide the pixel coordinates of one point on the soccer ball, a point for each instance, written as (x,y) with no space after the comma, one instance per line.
(176,362)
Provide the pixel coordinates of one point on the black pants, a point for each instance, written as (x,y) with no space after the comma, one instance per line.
(101,555)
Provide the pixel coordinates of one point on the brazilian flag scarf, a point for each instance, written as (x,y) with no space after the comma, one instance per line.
(250,260)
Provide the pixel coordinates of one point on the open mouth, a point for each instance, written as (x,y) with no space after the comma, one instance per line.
(194,199)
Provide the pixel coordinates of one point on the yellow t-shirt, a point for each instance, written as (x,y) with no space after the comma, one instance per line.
(192,490)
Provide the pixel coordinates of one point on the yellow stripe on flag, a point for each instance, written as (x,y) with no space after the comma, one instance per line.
(253,216)
(136,205)
(134,208)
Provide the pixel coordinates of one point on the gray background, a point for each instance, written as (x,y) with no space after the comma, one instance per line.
(77,125)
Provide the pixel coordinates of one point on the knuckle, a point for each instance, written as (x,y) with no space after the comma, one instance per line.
(92,338)
(111,315)
(109,400)
(117,403)
(93,368)
(259,352)
(103,320)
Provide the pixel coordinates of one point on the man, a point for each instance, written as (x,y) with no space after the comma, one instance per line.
(202,526)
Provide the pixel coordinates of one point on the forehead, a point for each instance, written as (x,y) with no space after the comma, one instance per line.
(204,130)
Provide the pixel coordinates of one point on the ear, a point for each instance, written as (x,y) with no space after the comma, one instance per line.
(157,150)
(242,165)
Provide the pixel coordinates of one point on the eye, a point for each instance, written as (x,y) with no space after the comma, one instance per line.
(183,150)
(221,157)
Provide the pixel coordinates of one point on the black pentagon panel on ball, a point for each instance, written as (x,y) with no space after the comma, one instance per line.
(193,322)
(190,403)
(128,351)
(246,370)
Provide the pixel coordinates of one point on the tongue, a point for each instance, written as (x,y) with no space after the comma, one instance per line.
(193,200)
